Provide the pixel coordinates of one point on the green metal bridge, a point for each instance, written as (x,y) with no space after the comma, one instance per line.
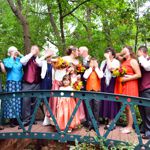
(64,136)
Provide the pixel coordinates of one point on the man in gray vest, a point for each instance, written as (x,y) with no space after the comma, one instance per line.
(144,87)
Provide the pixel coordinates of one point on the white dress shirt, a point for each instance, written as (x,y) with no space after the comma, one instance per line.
(24,60)
(144,62)
(107,73)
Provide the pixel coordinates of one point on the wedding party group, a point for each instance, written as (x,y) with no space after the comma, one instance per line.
(124,73)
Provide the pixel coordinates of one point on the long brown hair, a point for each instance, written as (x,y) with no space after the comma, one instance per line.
(71,49)
(132,54)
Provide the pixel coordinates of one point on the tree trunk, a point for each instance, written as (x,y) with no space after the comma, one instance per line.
(61,19)
(26,36)
(54,26)
(136,35)
(88,18)
(17,10)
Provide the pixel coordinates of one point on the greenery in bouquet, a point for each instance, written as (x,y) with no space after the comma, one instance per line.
(80,68)
(78,85)
(119,72)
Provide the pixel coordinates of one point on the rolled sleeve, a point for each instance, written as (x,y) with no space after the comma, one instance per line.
(87,73)
(144,63)
(99,72)
(24,60)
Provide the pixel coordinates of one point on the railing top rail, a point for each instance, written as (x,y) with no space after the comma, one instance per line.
(79,94)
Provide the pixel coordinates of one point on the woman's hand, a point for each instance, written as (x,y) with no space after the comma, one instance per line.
(106,55)
(126,78)
(49,53)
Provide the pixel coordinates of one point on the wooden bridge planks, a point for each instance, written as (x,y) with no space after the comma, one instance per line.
(115,134)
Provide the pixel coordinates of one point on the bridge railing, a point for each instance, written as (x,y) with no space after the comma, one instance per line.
(83,96)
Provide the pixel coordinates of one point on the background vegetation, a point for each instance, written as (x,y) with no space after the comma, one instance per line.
(93,23)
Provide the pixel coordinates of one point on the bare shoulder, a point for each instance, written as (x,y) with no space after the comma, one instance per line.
(134,62)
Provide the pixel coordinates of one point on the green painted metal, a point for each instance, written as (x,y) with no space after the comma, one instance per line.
(64,136)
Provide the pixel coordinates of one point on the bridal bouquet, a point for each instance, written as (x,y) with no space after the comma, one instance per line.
(119,72)
(78,85)
(80,68)
(61,63)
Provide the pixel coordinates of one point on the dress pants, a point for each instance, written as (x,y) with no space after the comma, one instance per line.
(145,113)
(28,103)
(95,107)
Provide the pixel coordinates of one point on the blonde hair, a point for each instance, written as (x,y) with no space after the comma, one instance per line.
(84,48)
(11,49)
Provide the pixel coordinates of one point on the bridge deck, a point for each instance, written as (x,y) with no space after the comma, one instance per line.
(114,135)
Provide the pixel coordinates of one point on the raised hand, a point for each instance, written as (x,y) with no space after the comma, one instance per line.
(106,55)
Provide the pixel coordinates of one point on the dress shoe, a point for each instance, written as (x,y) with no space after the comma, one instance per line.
(142,131)
(27,124)
(34,122)
(145,137)
(24,124)
(12,124)
(91,128)
(85,124)
(126,131)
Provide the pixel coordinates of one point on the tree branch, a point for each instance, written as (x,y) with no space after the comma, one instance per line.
(75,8)
(80,22)
(16,11)
(19,5)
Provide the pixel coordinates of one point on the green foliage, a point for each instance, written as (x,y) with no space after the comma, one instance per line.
(102,146)
(97,24)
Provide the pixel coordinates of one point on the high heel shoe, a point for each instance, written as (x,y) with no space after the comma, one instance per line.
(126,131)
(108,126)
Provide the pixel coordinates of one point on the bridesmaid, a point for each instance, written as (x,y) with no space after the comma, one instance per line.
(130,82)
(13,84)
(109,109)
(2,69)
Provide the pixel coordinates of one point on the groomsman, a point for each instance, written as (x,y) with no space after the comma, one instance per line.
(85,59)
(144,87)
(31,81)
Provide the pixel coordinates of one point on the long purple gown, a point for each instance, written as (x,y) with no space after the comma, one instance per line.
(109,109)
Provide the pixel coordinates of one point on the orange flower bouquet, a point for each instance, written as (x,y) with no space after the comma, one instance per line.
(119,72)
(61,63)
(80,68)
(78,85)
